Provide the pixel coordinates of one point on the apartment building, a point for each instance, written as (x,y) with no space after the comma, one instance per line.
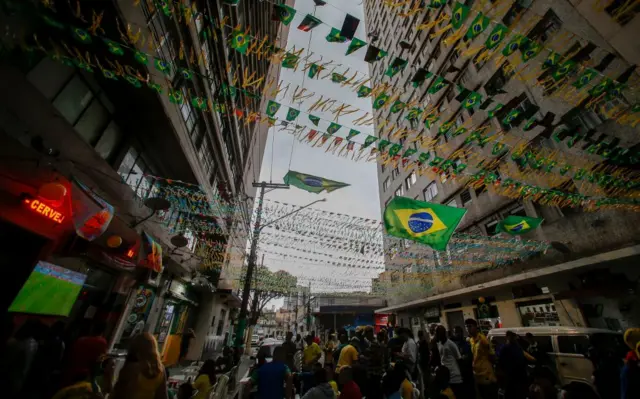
(601,242)
(125,141)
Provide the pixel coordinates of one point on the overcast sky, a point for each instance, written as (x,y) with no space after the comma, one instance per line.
(361,197)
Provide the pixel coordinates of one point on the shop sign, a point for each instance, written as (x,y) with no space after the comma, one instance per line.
(44,210)
(381,319)
(432,312)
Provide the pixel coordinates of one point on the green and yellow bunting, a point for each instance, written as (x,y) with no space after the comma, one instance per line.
(459,131)
(355,45)
(314,119)
(364,91)
(398,106)
(437,3)
(472,100)
(114,47)
(396,66)
(352,133)
(530,124)
(394,150)
(272,108)
(424,157)
(333,128)
(459,15)
(52,22)
(290,61)
(478,26)
(109,74)
(312,184)
(517,41)
(292,114)
(601,87)
(314,69)
(155,87)
(584,79)
(380,101)
(283,13)
(369,140)
(409,152)
(437,85)
(495,110)
(199,103)
(496,36)
(562,70)
(516,225)
(552,60)
(175,97)
(337,78)
(239,41)
(414,114)
(445,128)
(162,66)
(615,90)
(513,114)
(81,35)
(430,120)
(186,73)
(335,37)
(532,50)
(424,222)
(141,57)
(383,144)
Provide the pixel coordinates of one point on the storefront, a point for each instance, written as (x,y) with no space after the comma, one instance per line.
(538,313)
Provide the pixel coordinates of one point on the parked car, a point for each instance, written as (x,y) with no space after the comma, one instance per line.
(566,348)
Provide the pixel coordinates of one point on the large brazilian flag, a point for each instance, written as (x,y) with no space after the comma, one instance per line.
(312,184)
(516,225)
(424,222)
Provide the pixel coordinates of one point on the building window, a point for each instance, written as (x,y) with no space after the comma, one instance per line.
(514,12)
(519,211)
(132,170)
(382,168)
(465,198)
(623,11)
(410,181)
(453,203)
(525,106)
(399,191)
(547,27)
(499,79)
(491,227)
(430,191)
(385,184)
(395,172)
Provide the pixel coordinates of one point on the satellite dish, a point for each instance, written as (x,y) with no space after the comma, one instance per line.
(179,241)
(155,204)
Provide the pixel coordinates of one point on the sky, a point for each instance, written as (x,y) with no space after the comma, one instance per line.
(284,152)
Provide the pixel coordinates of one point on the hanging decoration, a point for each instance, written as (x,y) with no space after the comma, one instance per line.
(312,184)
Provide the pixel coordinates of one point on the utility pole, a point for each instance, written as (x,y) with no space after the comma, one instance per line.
(309,309)
(253,253)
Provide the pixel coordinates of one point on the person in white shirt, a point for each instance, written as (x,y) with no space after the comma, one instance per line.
(409,350)
(449,356)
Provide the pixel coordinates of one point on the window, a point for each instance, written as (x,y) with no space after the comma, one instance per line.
(517,8)
(385,184)
(92,122)
(519,211)
(132,171)
(410,180)
(491,228)
(576,344)
(399,192)
(430,191)
(499,79)
(547,27)
(465,198)
(395,172)
(73,99)
(192,240)
(108,143)
(49,77)
(435,54)
(382,167)
(453,203)
(623,11)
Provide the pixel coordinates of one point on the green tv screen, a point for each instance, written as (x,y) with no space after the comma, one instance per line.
(49,290)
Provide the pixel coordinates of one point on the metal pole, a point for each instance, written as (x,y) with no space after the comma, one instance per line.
(309,309)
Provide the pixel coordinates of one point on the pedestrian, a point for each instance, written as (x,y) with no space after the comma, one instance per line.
(205,380)
(630,374)
(396,383)
(290,349)
(85,354)
(142,376)
(482,364)
(442,385)
(306,380)
(316,339)
(44,376)
(329,347)
(343,341)
(409,351)
(274,379)
(19,356)
(543,385)
(424,357)
(348,356)
(322,389)
(373,359)
(512,367)
(299,342)
(465,362)
(449,356)
(185,342)
(311,355)
(349,390)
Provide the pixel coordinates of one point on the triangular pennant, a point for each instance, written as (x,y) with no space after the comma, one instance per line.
(364,91)
(374,54)
(380,101)
(352,133)
(355,45)
(369,140)
(396,66)
(394,150)
(308,23)
(478,26)
(292,114)
(314,69)
(335,37)
(314,119)
(283,13)
(333,128)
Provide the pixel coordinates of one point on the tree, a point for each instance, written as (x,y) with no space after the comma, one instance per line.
(268,286)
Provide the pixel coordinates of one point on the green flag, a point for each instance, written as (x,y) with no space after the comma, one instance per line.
(369,140)
(292,114)
(314,119)
(531,51)
(337,78)
(383,144)
(396,66)
(355,45)
(424,222)
(409,152)
(437,84)
(516,225)
(333,128)
(364,91)
(430,120)
(335,37)
(472,100)
(283,14)
(414,114)
(495,110)
(584,79)
(495,37)
(380,101)
(424,157)
(478,26)
(394,150)
(601,87)
(517,41)
(314,69)
(562,70)
(272,108)
(459,15)
(352,133)
(312,184)
(290,61)
(397,106)
(552,60)
(239,41)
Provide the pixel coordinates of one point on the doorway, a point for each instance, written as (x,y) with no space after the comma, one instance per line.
(455,319)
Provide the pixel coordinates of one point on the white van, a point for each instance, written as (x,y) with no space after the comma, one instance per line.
(566,347)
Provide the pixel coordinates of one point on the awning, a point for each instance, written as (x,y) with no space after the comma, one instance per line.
(519,278)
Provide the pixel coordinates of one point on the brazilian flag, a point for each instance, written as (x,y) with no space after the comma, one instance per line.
(337,78)
(239,41)
(314,69)
(396,66)
(495,37)
(459,15)
(478,26)
(312,184)
(114,48)
(495,110)
(414,114)
(352,133)
(563,69)
(290,61)
(292,114)
(383,144)
(335,37)
(437,84)
(81,35)
(516,42)
(333,128)
(283,14)
(314,119)
(272,108)
(531,51)
(380,101)
(601,87)
(364,91)
(552,60)
(424,222)
(472,100)
(355,45)
(584,79)
(516,225)
(398,106)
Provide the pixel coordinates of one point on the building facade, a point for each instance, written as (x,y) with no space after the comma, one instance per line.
(115,110)
(575,234)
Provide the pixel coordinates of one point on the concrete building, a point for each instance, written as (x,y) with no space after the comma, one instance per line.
(335,311)
(124,141)
(582,242)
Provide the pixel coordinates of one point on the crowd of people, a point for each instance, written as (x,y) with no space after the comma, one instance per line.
(440,364)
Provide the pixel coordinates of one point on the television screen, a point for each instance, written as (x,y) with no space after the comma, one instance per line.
(49,290)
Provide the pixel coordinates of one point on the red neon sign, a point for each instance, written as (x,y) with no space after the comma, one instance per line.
(45,210)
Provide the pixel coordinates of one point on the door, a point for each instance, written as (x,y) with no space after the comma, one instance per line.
(571,361)
(455,319)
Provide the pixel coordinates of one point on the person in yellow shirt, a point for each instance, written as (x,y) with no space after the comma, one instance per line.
(482,361)
(348,354)
(205,380)
(329,347)
(311,354)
